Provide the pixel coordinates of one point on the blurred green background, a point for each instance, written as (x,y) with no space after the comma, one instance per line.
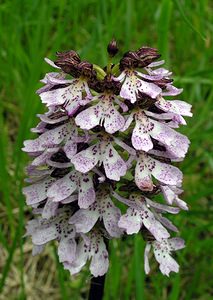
(33,29)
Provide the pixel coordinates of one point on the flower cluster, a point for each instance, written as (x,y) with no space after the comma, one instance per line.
(103,159)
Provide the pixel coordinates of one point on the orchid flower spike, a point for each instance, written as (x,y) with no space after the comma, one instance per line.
(108,137)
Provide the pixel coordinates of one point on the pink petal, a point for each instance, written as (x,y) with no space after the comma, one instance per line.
(143,177)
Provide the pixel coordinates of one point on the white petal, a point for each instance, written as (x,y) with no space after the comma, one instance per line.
(50,138)
(46,155)
(140,139)
(120,77)
(154,226)
(110,213)
(156,63)
(86,191)
(129,89)
(128,122)
(50,209)
(171,91)
(176,243)
(70,95)
(170,138)
(148,88)
(44,234)
(131,221)
(84,219)
(37,192)
(67,250)
(79,261)
(63,187)
(167,223)
(176,106)
(143,176)
(100,262)
(163,207)
(51,63)
(90,117)
(113,120)
(162,255)
(166,173)
(168,264)
(146,258)
(114,165)
(87,159)
(70,149)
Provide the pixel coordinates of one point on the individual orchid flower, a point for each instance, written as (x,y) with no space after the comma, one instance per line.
(76,91)
(132,84)
(140,214)
(92,247)
(147,167)
(171,196)
(67,185)
(102,209)
(70,97)
(56,228)
(162,250)
(147,129)
(103,113)
(64,135)
(102,152)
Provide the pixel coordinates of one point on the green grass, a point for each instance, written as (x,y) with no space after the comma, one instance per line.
(31,30)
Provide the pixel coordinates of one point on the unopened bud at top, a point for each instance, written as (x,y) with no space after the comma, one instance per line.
(112,48)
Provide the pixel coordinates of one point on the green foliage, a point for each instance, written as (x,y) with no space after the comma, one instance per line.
(33,29)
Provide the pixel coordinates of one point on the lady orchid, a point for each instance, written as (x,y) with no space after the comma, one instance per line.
(103,156)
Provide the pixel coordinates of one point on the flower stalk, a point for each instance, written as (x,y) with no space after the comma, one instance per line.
(96,291)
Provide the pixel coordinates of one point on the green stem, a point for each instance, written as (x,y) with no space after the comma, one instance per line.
(109,65)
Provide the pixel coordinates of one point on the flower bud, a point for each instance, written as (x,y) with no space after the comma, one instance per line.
(68,61)
(112,48)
